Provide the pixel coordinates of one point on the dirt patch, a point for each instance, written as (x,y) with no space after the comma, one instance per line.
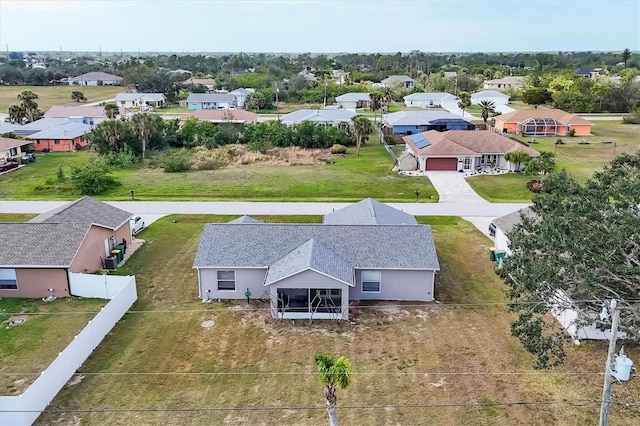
(75,379)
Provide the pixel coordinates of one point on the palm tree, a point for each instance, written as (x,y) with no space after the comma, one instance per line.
(333,373)
(387,96)
(516,157)
(143,126)
(465,101)
(375,101)
(360,128)
(111,110)
(112,131)
(626,54)
(488,108)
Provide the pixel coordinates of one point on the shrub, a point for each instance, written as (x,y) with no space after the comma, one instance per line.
(572,132)
(631,119)
(534,186)
(93,178)
(124,159)
(338,149)
(390,140)
(175,164)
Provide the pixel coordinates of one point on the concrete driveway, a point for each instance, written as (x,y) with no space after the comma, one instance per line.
(453,188)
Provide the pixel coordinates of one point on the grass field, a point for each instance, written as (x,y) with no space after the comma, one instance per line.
(249,369)
(15,217)
(349,178)
(55,95)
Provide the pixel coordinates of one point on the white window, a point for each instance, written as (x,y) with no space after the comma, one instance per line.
(8,279)
(371,281)
(226,280)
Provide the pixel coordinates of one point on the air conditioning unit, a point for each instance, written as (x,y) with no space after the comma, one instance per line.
(111,263)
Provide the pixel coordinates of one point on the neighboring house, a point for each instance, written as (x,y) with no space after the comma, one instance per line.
(463,150)
(224,116)
(66,137)
(428,100)
(92,115)
(398,80)
(38,125)
(95,79)
(353,101)
(209,83)
(340,77)
(409,122)
(13,148)
(542,122)
(141,100)
(450,74)
(586,72)
(369,212)
(506,83)
(308,76)
(316,271)
(328,117)
(37,257)
(498,98)
(242,95)
(212,101)
(501,226)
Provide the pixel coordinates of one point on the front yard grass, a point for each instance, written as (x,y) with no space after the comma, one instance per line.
(160,366)
(28,349)
(348,178)
(49,96)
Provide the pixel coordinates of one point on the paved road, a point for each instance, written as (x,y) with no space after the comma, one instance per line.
(453,188)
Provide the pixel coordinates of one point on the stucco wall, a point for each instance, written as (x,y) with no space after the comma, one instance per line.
(252,279)
(34,283)
(500,241)
(88,258)
(398,285)
(581,130)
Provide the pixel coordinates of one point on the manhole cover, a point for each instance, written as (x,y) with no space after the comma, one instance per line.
(207,324)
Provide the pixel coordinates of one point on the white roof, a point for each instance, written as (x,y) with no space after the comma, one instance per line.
(396,78)
(318,116)
(353,97)
(417,118)
(140,96)
(489,94)
(437,96)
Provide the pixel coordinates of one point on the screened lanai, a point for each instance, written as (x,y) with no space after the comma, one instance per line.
(541,127)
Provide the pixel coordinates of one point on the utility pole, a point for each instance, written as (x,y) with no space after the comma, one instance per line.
(277,108)
(606,389)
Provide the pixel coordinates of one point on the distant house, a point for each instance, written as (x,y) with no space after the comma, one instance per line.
(327,117)
(209,83)
(92,115)
(141,100)
(506,83)
(542,122)
(401,80)
(450,74)
(316,271)
(66,137)
(212,101)
(465,150)
(37,257)
(224,116)
(409,122)
(498,98)
(428,100)
(353,101)
(13,148)
(95,78)
(586,72)
(242,95)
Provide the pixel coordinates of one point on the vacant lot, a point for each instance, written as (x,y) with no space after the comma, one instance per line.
(414,364)
(348,178)
(56,95)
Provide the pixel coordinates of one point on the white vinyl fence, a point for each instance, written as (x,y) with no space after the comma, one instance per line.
(24,409)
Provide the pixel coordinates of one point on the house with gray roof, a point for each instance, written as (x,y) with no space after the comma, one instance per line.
(66,137)
(95,78)
(410,122)
(212,101)
(144,101)
(316,271)
(429,100)
(398,80)
(353,101)
(36,257)
(500,228)
(328,117)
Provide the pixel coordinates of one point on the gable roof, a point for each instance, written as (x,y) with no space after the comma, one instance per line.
(584,71)
(419,118)
(200,81)
(219,115)
(8,143)
(433,96)
(78,111)
(153,97)
(397,79)
(68,130)
(243,92)
(86,210)
(554,114)
(245,219)
(467,142)
(318,116)
(489,94)
(507,222)
(96,76)
(353,97)
(362,246)
(40,244)
(313,255)
(511,79)
(369,212)
(210,97)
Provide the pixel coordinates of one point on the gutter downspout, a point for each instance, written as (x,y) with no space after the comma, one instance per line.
(68,282)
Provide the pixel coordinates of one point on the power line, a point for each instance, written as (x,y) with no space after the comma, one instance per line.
(307,373)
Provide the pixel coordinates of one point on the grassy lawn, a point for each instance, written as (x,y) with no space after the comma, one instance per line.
(508,188)
(16,217)
(56,95)
(401,352)
(349,178)
(173,109)
(28,349)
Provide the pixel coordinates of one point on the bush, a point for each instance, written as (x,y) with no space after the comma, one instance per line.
(534,186)
(175,164)
(390,140)
(631,119)
(572,132)
(93,178)
(124,159)
(338,149)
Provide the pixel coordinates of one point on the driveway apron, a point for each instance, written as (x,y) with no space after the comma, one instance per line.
(453,188)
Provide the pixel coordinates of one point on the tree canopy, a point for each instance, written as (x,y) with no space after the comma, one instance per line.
(583,240)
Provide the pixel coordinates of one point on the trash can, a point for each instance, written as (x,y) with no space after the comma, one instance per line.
(121,247)
(117,254)
(492,254)
(499,255)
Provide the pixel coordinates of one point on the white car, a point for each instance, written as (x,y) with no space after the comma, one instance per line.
(137,224)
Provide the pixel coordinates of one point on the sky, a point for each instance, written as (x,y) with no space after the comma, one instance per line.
(326,26)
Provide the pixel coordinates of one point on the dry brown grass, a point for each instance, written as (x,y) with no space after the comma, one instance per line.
(236,155)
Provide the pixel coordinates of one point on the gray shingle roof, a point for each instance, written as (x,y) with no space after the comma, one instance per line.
(95,76)
(432,96)
(210,97)
(70,130)
(40,244)
(151,97)
(362,246)
(353,96)
(86,210)
(417,118)
(396,79)
(369,212)
(311,255)
(330,116)
(507,222)
(245,219)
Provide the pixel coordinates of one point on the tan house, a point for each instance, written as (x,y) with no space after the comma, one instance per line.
(36,257)
(224,116)
(13,148)
(543,122)
(463,150)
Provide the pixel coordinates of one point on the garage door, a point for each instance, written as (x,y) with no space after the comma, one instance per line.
(442,164)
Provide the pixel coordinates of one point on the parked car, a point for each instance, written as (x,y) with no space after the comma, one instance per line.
(137,224)
(7,165)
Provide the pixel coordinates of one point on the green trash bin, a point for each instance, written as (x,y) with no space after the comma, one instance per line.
(121,247)
(117,254)
(492,254)
(500,254)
